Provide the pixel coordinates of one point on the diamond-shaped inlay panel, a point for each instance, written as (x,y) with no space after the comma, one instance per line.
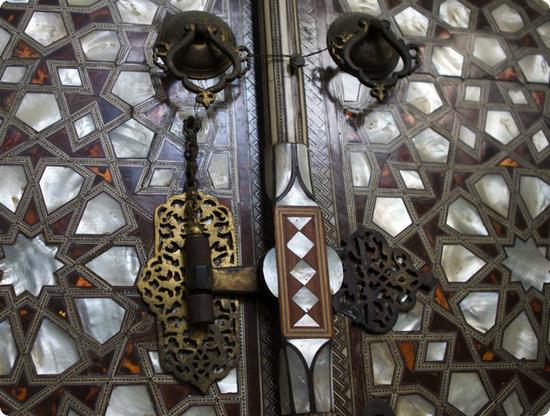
(303,272)
(305,299)
(46,28)
(300,245)
(39,110)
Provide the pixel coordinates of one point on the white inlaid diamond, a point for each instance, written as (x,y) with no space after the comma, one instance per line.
(303,272)
(305,299)
(299,222)
(300,245)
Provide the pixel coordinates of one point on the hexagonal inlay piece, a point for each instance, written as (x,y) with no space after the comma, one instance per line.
(467,393)
(100,45)
(391,215)
(38,110)
(454,13)
(133,87)
(46,28)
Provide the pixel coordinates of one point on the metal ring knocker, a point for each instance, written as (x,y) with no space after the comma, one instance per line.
(371,52)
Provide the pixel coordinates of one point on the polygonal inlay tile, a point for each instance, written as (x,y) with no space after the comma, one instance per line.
(519,338)
(494,193)
(119,266)
(102,215)
(137,11)
(501,126)
(131,139)
(455,14)
(366,6)
(13,182)
(435,351)
(517,97)
(38,110)
(528,264)
(100,45)
(8,352)
(472,93)
(543,31)
(305,299)
(432,147)
(507,18)
(412,22)
(414,405)
(467,393)
(540,141)
(101,317)
(459,263)
(488,50)
(187,5)
(447,61)
(133,87)
(412,179)
(229,384)
(480,310)
(512,405)
(46,28)
(299,222)
(4,39)
(380,127)
(54,351)
(162,177)
(306,321)
(303,272)
(300,245)
(59,185)
(84,125)
(219,171)
(535,194)
(383,364)
(535,68)
(29,265)
(464,218)
(13,74)
(391,215)
(424,96)
(69,77)
(467,136)
(360,169)
(130,400)
(411,320)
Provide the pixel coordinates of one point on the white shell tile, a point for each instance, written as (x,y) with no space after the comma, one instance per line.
(300,245)
(119,266)
(424,96)
(102,215)
(512,405)
(480,310)
(46,28)
(308,347)
(519,338)
(186,5)
(464,218)
(230,383)
(366,6)
(200,411)
(472,93)
(8,349)
(219,171)
(101,317)
(540,141)
(447,61)
(412,179)
(162,177)
(383,365)
(69,77)
(131,139)
(411,320)
(435,351)
(467,393)
(501,125)
(29,264)
(467,136)
(455,13)
(535,193)
(361,170)
(4,39)
(412,23)
(84,125)
(13,182)
(528,264)
(155,362)
(322,381)
(414,405)
(380,127)
(38,110)
(13,74)
(459,263)
(517,96)
(488,50)
(54,351)
(137,11)
(351,87)
(130,400)
(306,321)
(507,19)
(303,272)
(100,45)
(391,215)
(305,299)
(494,192)
(133,87)
(59,185)
(432,147)
(535,68)
(543,31)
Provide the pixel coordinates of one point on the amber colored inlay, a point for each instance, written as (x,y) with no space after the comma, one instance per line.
(408,352)
(441,298)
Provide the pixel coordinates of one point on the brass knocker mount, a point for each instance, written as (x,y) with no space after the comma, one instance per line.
(198,45)
(366,48)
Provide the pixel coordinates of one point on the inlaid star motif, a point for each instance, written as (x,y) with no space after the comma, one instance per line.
(29,265)
(528,264)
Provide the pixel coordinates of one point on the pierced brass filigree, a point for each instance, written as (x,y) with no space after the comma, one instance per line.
(199,355)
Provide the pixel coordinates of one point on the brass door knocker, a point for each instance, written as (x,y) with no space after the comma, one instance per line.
(365,47)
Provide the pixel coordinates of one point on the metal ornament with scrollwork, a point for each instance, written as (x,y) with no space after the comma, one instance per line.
(379,282)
